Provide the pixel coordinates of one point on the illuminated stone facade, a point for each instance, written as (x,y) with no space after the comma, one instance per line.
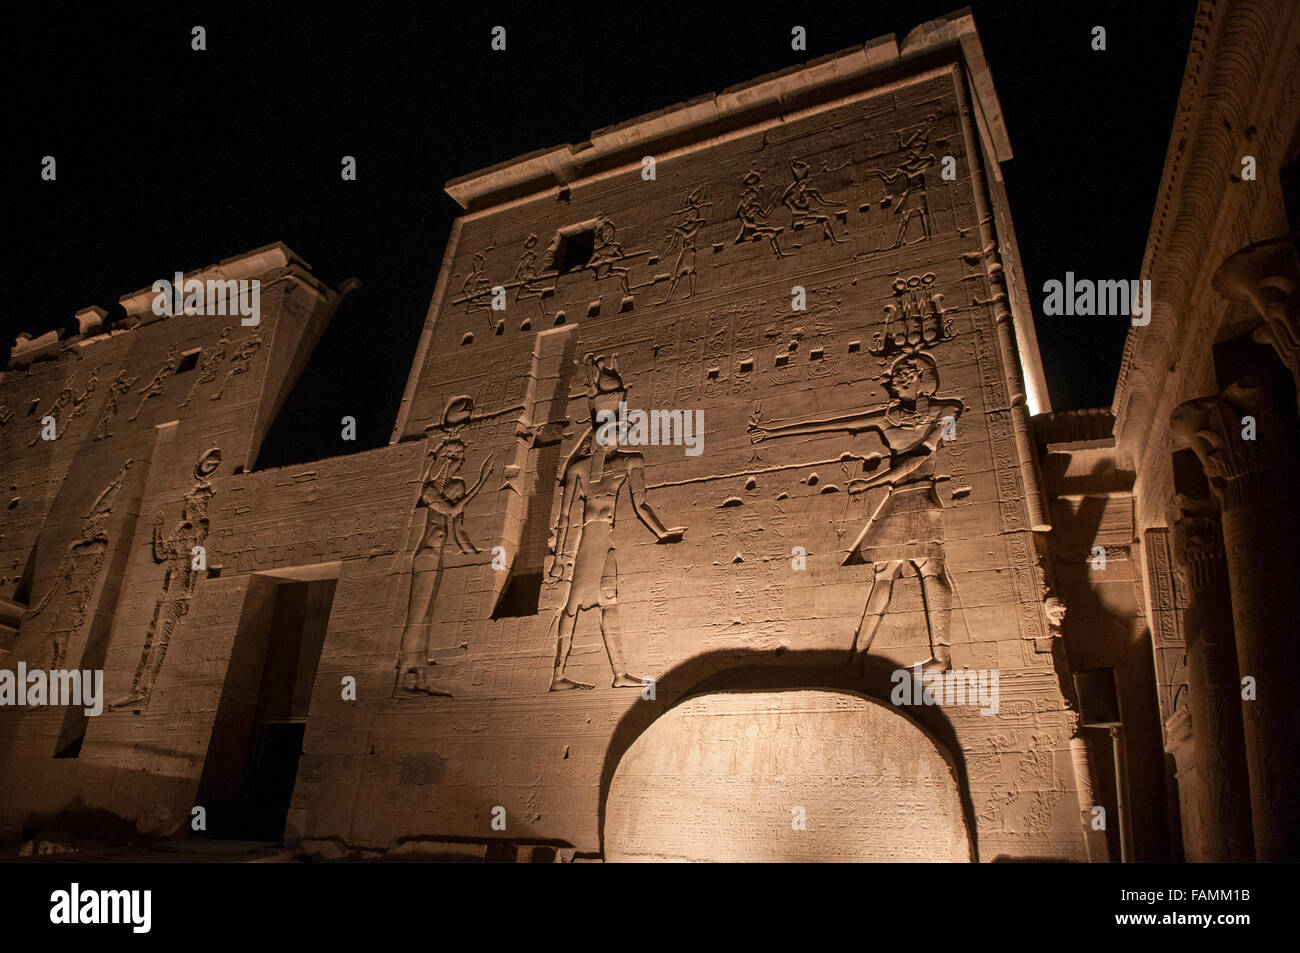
(510,635)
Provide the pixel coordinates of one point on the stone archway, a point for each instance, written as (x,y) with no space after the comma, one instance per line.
(718,778)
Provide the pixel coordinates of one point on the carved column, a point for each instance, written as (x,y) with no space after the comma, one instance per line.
(1266,276)
(1190,784)
(1255,481)
(1225,829)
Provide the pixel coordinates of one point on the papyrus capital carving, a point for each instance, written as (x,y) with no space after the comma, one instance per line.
(1266,276)
(1240,460)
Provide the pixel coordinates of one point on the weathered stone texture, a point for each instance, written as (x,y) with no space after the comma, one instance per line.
(495,562)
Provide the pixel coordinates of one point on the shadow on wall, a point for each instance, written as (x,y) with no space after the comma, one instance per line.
(821,670)
(78,819)
(1093,636)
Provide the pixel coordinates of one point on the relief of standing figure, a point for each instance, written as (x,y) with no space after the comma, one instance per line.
(685,233)
(912,204)
(904,534)
(176,553)
(159,381)
(593,479)
(78,576)
(121,386)
(445,496)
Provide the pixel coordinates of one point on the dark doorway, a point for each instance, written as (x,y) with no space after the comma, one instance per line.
(252,762)
(272,769)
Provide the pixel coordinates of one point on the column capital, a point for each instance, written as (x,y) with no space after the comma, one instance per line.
(1267,276)
(1242,462)
(1198,540)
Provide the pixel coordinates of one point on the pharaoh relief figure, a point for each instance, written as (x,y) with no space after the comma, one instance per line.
(607,255)
(903,534)
(593,479)
(180,556)
(78,576)
(685,233)
(81,403)
(476,289)
(444,496)
(912,205)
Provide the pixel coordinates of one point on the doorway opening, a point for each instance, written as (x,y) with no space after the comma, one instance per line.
(252,763)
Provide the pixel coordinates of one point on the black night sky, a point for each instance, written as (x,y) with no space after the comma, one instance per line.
(170,159)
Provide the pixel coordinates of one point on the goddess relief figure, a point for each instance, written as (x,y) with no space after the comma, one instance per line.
(445,496)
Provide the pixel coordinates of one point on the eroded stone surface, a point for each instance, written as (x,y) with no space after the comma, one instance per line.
(784,776)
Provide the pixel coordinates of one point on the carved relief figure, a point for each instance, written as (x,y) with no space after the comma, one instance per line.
(606,259)
(803,200)
(176,553)
(912,204)
(81,401)
(607,254)
(593,479)
(65,397)
(121,385)
(160,378)
(475,290)
(445,496)
(915,319)
(1055,608)
(240,361)
(78,575)
(684,235)
(904,532)
(209,366)
(528,278)
(753,216)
